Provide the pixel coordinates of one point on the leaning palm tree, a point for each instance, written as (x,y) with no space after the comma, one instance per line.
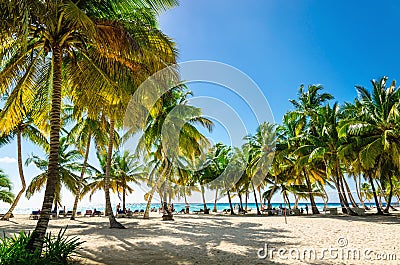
(69,165)
(37,36)
(25,129)
(5,188)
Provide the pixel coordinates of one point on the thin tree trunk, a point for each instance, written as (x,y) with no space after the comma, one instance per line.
(124,196)
(346,203)
(312,201)
(245,203)
(241,203)
(36,240)
(255,198)
(390,196)
(204,199)
(358,190)
(147,211)
(230,202)
(379,210)
(78,191)
(215,200)
(351,198)
(21,176)
(184,195)
(269,207)
(341,200)
(113,222)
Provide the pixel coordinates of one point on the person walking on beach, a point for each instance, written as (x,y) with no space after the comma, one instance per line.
(307,209)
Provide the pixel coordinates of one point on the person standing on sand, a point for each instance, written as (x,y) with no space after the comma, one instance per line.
(118,207)
(307,209)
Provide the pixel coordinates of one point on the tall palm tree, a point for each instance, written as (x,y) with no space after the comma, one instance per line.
(172,112)
(306,107)
(5,188)
(82,134)
(374,132)
(36,37)
(25,129)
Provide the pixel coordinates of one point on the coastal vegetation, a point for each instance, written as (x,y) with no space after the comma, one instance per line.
(68,71)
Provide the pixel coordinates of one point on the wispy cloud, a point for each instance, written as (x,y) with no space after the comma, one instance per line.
(7,160)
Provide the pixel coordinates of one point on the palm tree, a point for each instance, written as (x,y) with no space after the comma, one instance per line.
(120,175)
(262,151)
(69,165)
(50,32)
(373,133)
(172,112)
(5,188)
(127,168)
(306,107)
(26,129)
(82,134)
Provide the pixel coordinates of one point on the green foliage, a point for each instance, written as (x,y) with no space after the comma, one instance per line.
(56,250)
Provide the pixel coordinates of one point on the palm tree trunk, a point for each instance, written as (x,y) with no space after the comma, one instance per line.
(255,198)
(153,189)
(341,200)
(21,176)
(204,199)
(241,203)
(358,190)
(37,236)
(78,191)
(312,201)
(215,200)
(379,210)
(230,202)
(113,222)
(390,196)
(245,201)
(269,207)
(124,196)
(351,198)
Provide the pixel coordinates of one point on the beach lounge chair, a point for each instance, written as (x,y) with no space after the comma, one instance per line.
(69,213)
(34,215)
(141,211)
(98,213)
(61,212)
(136,211)
(120,214)
(88,213)
(53,214)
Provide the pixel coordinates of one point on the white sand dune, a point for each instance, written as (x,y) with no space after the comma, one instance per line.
(215,239)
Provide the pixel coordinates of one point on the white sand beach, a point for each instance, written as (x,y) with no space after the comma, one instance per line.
(224,239)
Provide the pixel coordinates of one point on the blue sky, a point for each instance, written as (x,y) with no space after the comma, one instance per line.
(280,45)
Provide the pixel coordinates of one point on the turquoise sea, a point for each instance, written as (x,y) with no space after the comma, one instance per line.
(177,206)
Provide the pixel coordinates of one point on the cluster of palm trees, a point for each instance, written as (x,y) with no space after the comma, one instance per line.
(69,69)
(321,145)
(93,54)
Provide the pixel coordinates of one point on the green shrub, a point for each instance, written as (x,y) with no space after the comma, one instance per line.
(56,250)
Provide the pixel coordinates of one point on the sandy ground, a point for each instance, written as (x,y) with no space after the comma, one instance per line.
(224,239)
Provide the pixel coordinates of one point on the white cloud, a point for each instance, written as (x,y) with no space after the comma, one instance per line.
(7,160)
